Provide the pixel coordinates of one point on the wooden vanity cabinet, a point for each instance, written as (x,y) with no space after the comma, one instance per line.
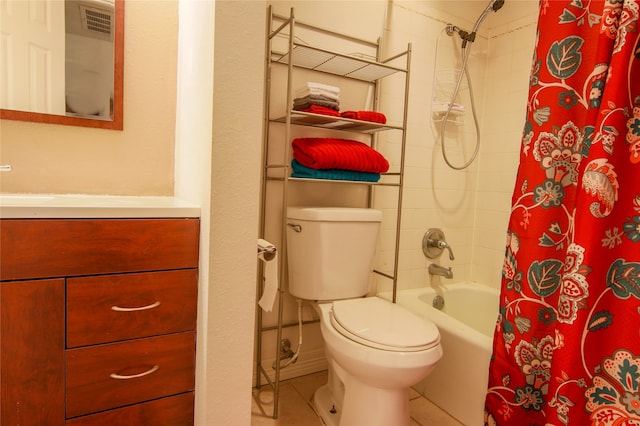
(97,321)
(31,352)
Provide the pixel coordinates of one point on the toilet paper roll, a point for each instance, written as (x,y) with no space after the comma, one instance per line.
(268,254)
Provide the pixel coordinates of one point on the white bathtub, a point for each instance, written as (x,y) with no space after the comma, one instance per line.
(466,323)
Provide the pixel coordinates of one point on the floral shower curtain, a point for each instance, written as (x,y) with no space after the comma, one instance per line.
(567,343)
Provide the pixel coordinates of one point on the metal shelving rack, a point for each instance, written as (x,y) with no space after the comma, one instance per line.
(302,55)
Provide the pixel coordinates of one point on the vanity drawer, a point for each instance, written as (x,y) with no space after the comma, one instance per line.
(118,374)
(172,411)
(73,247)
(109,308)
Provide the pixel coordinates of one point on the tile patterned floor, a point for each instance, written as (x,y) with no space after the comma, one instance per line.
(296,407)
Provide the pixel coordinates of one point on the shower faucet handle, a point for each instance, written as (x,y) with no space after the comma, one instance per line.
(434,243)
(444,245)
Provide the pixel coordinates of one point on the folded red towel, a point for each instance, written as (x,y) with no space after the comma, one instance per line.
(374,116)
(330,153)
(317,109)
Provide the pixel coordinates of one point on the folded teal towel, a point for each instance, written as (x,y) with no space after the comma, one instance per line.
(301,171)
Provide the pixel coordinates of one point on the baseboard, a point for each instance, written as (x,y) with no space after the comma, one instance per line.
(308,363)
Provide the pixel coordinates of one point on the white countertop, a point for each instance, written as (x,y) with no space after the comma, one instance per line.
(42,206)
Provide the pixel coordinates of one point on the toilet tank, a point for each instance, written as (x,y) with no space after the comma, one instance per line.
(330,251)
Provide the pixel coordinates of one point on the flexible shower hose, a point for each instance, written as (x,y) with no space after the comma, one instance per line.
(465,59)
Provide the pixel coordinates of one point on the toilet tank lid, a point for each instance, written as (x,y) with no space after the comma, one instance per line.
(334,214)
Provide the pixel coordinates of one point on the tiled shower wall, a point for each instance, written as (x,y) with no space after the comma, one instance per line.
(505,102)
(471,206)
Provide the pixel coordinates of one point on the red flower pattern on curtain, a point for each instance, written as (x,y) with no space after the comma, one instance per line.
(567,342)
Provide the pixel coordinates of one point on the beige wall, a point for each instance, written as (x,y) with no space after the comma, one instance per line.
(235,187)
(136,161)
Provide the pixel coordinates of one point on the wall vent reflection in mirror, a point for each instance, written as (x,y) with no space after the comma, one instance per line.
(98,20)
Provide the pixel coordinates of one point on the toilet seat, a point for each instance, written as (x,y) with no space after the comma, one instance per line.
(380,324)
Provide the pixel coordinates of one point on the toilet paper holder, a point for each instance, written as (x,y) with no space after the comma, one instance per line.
(268,254)
(268,251)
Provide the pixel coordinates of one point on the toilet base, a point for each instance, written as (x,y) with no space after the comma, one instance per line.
(392,408)
(326,406)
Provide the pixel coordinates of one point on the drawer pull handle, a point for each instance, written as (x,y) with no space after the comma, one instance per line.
(135,376)
(140,308)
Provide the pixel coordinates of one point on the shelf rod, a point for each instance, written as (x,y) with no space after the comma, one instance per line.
(266,376)
(293,324)
(277,31)
(333,181)
(263,187)
(399,55)
(342,55)
(325,31)
(391,277)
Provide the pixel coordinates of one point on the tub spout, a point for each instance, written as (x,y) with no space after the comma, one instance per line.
(440,270)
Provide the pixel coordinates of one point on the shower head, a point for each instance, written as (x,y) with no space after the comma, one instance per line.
(493,6)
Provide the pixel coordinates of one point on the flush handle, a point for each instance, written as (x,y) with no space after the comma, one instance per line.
(295,227)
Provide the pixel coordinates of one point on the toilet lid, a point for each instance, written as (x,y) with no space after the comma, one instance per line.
(380,324)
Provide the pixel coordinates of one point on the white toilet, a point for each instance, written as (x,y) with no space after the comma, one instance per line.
(376,350)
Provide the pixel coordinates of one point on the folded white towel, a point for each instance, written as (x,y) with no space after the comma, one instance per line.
(319,89)
(317,92)
(320,86)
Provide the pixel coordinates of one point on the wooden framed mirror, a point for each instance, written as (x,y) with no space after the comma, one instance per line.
(92,16)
